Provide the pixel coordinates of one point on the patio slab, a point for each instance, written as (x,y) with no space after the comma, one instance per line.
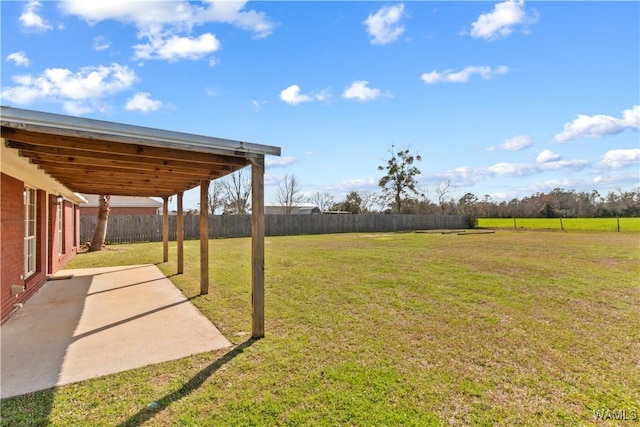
(99,322)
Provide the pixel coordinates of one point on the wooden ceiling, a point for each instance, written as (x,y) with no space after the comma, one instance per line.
(93,165)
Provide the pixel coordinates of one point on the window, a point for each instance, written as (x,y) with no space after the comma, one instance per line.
(29,231)
(75,240)
(61,228)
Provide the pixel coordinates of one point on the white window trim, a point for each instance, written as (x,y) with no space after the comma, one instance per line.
(61,228)
(30,240)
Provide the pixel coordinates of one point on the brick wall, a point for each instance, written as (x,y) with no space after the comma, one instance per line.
(57,260)
(12,253)
(12,244)
(12,234)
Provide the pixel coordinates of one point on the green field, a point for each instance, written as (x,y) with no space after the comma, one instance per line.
(569,224)
(511,328)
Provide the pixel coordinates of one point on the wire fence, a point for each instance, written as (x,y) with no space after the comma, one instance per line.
(563,224)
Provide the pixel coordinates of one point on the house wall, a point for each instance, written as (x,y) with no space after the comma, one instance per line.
(120,210)
(57,260)
(12,241)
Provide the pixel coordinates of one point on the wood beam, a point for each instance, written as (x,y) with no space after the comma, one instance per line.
(165,229)
(129,186)
(111,159)
(108,147)
(204,237)
(130,179)
(122,177)
(113,191)
(180,234)
(153,173)
(79,163)
(257,247)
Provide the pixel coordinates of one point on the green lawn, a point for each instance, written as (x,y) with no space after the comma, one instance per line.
(569,224)
(511,328)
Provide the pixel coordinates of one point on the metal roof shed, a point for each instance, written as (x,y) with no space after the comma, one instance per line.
(100,157)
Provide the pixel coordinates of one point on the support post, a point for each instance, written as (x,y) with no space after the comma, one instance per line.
(165,229)
(180,234)
(257,246)
(204,237)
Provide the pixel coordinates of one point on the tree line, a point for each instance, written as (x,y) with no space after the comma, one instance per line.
(559,203)
(400,193)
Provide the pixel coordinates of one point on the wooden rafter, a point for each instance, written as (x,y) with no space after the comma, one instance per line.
(95,166)
(109,147)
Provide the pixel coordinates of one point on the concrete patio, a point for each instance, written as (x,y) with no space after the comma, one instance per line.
(99,322)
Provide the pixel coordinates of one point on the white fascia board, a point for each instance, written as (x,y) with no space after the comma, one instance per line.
(57,124)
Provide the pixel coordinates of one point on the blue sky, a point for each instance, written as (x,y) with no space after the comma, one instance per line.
(505,99)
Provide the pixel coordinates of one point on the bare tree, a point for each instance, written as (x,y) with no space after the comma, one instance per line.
(289,193)
(369,200)
(442,190)
(100,234)
(237,188)
(323,201)
(217,196)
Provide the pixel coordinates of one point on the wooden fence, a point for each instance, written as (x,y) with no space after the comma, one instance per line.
(148,228)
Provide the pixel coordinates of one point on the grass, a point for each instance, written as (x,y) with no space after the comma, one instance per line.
(569,224)
(511,328)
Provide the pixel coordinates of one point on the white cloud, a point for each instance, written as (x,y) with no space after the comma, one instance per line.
(616,180)
(166,26)
(19,58)
(324,95)
(31,20)
(469,176)
(616,159)
(292,95)
(564,164)
(279,162)
(178,15)
(512,169)
(518,142)
(502,20)
(384,26)
(360,90)
(546,156)
(257,105)
(359,184)
(175,48)
(450,76)
(600,125)
(141,101)
(79,92)
(100,43)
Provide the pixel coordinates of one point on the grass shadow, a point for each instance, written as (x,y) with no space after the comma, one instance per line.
(196,381)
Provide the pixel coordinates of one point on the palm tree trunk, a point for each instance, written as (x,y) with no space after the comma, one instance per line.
(100,234)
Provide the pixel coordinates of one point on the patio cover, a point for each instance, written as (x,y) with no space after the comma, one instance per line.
(98,157)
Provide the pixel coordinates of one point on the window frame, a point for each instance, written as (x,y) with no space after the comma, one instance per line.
(30,227)
(61,228)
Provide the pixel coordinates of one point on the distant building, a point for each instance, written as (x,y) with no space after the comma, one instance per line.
(122,205)
(304,209)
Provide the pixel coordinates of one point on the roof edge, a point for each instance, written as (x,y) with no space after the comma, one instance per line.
(79,126)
